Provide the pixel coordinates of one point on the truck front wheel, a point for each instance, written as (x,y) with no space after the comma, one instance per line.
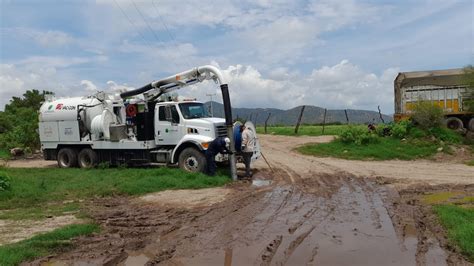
(87,158)
(67,158)
(192,160)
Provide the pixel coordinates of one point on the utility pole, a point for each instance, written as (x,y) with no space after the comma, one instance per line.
(212,109)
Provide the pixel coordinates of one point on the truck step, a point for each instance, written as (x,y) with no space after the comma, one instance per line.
(162,151)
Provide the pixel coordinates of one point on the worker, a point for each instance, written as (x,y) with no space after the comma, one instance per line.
(238,138)
(218,145)
(248,143)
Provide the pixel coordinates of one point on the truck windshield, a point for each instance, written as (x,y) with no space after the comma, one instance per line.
(193,110)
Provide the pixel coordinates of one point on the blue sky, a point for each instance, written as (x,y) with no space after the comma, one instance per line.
(334,54)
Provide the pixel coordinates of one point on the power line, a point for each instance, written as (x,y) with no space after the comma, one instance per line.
(151,29)
(173,39)
(146,22)
(133,24)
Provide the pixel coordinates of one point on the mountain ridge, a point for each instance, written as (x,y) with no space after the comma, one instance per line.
(311,115)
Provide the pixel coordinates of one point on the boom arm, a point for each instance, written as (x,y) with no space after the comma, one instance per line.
(186,78)
(190,77)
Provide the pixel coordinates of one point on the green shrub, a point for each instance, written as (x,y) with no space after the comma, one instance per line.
(426,115)
(400,129)
(350,134)
(383,130)
(445,134)
(4,181)
(417,133)
(358,136)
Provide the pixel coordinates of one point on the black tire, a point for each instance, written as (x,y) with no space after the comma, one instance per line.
(67,158)
(87,158)
(470,126)
(454,123)
(192,160)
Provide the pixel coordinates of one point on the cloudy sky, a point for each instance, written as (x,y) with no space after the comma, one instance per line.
(329,53)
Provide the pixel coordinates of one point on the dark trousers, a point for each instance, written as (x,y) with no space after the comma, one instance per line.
(247,156)
(211,162)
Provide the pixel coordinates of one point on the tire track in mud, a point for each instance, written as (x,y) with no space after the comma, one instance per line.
(304,217)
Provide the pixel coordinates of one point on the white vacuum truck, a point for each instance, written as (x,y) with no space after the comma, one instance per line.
(127,129)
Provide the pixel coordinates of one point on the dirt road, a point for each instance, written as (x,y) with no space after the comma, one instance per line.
(310,211)
(279,150)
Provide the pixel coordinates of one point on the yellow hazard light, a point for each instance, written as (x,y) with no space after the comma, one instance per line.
(178,77)
(205,145)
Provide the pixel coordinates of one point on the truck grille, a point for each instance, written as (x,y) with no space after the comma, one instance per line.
(221,131)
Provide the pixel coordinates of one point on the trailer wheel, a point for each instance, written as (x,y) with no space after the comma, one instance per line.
(454,123)
(470,126)
(87,158)
(67,158)
(192,160)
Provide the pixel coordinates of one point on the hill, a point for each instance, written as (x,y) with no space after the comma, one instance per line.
(312,115)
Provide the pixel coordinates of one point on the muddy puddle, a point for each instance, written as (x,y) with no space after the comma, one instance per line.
(323,220)
(351,227)
(261,182)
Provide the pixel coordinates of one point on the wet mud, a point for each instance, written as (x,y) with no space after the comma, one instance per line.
(279,218)
(308,211)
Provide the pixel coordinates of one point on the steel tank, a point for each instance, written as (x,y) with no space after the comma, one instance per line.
(85,109)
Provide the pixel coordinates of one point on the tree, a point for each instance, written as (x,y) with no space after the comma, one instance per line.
(31,99)
(19,121)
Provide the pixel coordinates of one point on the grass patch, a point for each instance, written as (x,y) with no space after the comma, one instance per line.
(458,198)
(38,193)
(305,130)
(459,223)
(386,149)
(40,187)
(44,244)
(4,154)
(441,197)
(470,163)
(34,213)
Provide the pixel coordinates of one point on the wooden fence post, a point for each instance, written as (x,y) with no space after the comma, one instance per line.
(324,119)
(299,119)
(380,114)
(347,118)
(266,121)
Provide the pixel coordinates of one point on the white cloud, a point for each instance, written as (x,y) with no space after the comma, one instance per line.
(342,86)
(43,73)
(52,38)
(272,32)
(45,38)
(59,61)
(117,88)
(88,86)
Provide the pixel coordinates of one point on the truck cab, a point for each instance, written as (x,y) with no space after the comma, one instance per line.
(183,131)
(174,120)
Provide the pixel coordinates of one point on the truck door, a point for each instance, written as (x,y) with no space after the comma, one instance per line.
(168,130)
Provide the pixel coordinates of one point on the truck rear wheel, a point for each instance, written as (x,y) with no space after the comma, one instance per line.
(87,158)
(67,158)
(471,125)
(454,123)
(192,160)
